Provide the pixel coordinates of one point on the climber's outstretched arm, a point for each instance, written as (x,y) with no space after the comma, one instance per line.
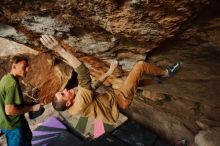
(51,43)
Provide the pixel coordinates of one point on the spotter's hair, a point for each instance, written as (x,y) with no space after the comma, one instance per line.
(18,58)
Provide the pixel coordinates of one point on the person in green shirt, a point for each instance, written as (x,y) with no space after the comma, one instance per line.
(12,109)
(84,101)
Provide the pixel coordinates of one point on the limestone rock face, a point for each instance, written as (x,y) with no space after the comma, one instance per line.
(158,31)
(108,29)
(192,95)
(140,20)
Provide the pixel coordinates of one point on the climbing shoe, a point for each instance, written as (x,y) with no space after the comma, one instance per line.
(181,142)
(173,69)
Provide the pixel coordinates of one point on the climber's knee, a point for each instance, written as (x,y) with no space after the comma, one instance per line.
(140,62)
(124,104)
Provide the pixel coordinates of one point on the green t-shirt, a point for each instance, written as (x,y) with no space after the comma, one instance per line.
(10,93)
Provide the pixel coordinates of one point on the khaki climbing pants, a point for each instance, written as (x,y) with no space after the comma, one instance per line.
(125,93)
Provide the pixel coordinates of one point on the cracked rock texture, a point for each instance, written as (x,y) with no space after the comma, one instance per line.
(158,31)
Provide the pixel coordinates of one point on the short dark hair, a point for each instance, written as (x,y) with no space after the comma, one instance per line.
(59,105)
(17,58)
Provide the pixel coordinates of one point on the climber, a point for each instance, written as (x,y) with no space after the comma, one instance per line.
(12,109)
(85,102)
